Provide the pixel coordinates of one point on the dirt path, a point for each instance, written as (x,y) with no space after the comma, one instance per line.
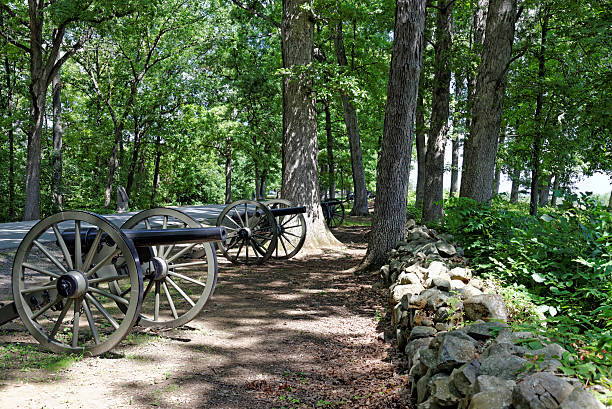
(294,334)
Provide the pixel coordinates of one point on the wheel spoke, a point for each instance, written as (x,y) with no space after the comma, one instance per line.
(184,277)
(102,263)
(40,270)
(156,311)
(239,218)
(40,288)
(102,310)
(167,252)
(58,323)
(75,324)
(180,253)
(193,263)
(149,286)
(161,250)
(90,320)
(78,257)
(239,249)
(63,246)
(106,294)
(108,279)
(50,256)
(280,238)
(169,297)
(46,308)
(290,234)
(92,251)
(180,291)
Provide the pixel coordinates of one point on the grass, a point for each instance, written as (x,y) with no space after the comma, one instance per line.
(352,221)
(27,357)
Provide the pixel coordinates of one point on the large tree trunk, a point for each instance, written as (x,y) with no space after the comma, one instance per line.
(113,163)
(331,165)
(389,220)
(539,135)
(479,169)
(300,183)
(135,154)
(56,156)
(158,155)
(556,185)
(516,184)
(545,190)
(609,202)
(454,185)
(477,33)
(360,206)
(420,142)
(434,159)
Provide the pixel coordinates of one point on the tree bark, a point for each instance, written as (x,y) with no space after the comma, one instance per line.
(556,185)
(56,156)
(434,159)
(421,145)
(389,219)
(158,154)
(331,165)
(360,206)
(609,202)
(454,185)
(490,88)
(538,136)
(516,184)
(138,135)
(300,181)
(545,190)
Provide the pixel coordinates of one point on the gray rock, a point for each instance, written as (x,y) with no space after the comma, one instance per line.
(442,326)
(435,268)
(428,249)
(581,399)
(485,330)
(504,348)
(445,249)
(468,291)
(408,278)
(477,283)
(417,301)
(540,391)
(443,314)
(422,332)
(416,269)
(423,390)
(384,272)
(397,314)
(485,307)
(461,273)
(395,266)
(456,285)
(549,351)
(437,300)
(442,283)
(486,383)
(441,392)
(400,335)
(410,223)
(421,318)
(464,377)
(454,351)
(416,371)
(502,365)
(494,399)
(413,347)
(429,358)
(399,291)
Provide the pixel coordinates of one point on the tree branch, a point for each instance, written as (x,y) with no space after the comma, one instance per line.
(16,43)
(258,14)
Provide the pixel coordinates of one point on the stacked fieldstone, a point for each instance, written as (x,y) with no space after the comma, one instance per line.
(483,365)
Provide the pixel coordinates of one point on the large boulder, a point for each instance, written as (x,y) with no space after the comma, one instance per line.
(455,351)
(541,390)
(399,291)
(581,399)
(445,249)
(503,365)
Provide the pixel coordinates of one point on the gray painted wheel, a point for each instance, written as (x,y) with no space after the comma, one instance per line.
(291,230)
(178,296)
(251,232)
(59,291)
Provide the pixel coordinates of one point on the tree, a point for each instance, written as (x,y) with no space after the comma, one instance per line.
(486,114)
(389,220)
(434,159)
(300,182)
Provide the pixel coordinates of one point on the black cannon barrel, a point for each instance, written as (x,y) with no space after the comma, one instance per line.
(287,211)
(157,237)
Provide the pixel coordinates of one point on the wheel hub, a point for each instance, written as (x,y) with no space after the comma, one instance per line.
(73,284)
(244,233)
(158,268)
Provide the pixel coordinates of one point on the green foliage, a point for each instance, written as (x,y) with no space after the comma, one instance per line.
(556,267)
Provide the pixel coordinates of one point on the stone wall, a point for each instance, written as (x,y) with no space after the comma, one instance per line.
(480,365)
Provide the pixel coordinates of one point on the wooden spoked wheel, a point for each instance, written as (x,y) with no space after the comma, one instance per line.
(60,295)
(178,292)
(333,211)
(291,230)
(251,232)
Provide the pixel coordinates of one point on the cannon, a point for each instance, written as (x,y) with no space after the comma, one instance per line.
(258,231)
(333,211)
(80,283)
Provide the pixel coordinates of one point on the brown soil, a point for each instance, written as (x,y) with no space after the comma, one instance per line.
(293,334)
